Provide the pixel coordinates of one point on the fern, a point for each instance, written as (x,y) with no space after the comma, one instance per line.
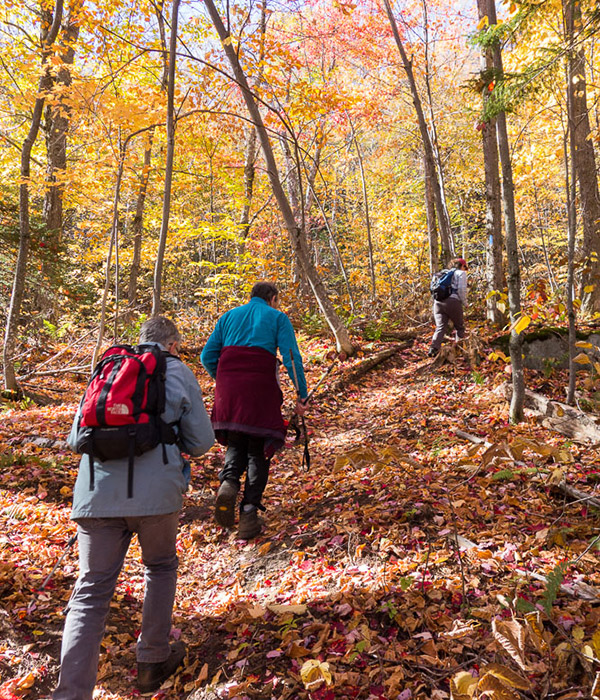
(553,584)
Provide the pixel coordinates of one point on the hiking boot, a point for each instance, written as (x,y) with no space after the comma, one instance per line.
(250,525)
(150,676)
(432,352)
(225,504)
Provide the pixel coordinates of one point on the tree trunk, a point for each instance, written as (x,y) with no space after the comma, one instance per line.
(164,229)
(571,192)
(296,234)
(251,151)
(137,226)
(432,232)
(48,37)
(363,181)
(311,175)
(138,219)
(113,238)
(585,161)
(448,251)
(438,171)
(333,243)
(493,208)
(56,127)
(512,243)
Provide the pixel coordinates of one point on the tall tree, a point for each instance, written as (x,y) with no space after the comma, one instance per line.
(363,182)
(50,26)
(56,122)
(493,208)
(137,225)
(166,211)
(585,157)
(432,231)
(510,227)
(251,147)
(296,233)
(447,240)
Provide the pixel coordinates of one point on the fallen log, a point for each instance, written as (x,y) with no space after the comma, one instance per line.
(577,494)
(577,589)
(571,491)
(361,368)
(560,417)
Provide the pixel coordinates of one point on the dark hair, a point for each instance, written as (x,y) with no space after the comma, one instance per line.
(264,290)
(159,330)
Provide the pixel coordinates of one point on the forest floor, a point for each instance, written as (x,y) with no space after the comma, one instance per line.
(407,563)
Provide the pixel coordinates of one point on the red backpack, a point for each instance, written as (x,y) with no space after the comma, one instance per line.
(120,412)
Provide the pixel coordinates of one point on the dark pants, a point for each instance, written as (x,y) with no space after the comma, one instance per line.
(451,309)
(246,453)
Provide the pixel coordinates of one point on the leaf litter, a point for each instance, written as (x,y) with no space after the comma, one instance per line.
(408,563)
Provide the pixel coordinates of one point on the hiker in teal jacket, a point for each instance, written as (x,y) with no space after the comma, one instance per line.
(256,324)
(241,354)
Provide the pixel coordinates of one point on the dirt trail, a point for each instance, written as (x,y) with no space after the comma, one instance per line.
(358,567)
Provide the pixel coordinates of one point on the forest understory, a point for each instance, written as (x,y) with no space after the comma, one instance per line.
(409,562)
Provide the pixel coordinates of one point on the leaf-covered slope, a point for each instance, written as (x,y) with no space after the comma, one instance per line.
(406,558)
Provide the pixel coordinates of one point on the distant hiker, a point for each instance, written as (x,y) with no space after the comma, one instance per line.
(241,354)
(109,512)
(450,308)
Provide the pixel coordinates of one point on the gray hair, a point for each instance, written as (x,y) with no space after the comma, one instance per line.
(159,329)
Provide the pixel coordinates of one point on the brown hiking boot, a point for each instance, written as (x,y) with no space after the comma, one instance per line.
(250,525)
(151,676)
(225,504)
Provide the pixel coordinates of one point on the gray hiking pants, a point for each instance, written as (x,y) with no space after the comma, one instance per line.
(451,309)
(103,544)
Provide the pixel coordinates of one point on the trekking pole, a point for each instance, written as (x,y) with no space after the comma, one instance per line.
(70,543)
(306,453)
(321,380)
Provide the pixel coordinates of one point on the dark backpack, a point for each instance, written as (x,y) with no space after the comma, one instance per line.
(120,412)
(441,284)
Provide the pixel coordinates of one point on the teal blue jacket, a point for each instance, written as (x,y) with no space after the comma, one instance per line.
(255,325)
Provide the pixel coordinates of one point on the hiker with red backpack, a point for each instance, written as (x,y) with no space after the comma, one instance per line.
(141,409)
(241,354)
(449,290)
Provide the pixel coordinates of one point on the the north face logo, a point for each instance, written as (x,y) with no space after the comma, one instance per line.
(118,409)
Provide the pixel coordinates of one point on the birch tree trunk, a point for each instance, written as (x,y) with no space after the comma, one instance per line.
(166,211)
(296,234)
(48,36)
(448,250)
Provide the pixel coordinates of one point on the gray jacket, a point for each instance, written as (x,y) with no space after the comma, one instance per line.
(459,286)
(158,488)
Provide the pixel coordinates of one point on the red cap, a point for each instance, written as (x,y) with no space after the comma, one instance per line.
(462,262)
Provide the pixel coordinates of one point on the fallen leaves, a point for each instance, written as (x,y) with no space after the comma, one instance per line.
(314,673)
(385,572)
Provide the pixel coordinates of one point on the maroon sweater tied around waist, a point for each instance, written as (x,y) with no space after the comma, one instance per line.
(247,396)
